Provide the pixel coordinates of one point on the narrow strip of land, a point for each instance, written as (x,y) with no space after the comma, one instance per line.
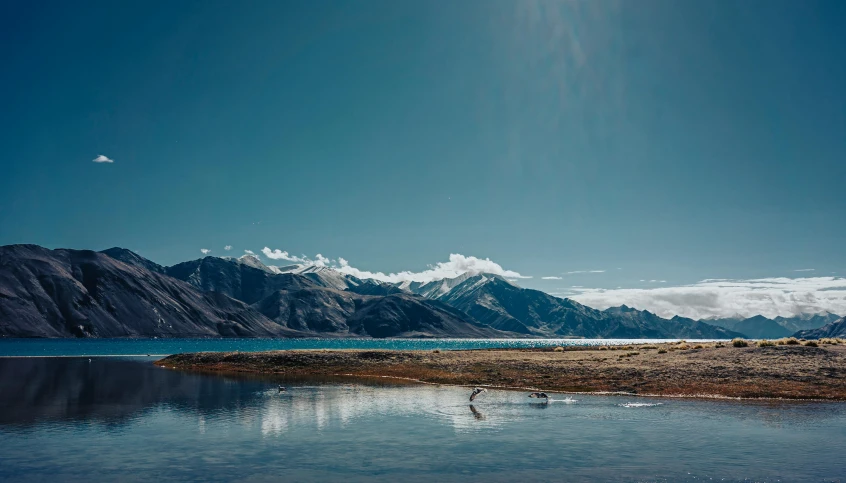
(783,371)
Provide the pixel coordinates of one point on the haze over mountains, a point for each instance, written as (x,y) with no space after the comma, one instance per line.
(117,293)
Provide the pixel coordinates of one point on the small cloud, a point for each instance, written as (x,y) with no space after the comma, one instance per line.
(227,247)
(584,271)
(804,270)
(205,251)
(250,252)
(102,159)
(551,278)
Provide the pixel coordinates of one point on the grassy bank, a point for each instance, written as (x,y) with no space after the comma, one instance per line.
(773,369)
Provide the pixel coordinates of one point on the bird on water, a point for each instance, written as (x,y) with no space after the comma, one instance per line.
(539,395)
(476,392)
(281,388)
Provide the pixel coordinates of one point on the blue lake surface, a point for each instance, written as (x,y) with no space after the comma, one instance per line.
(123,419)
(94,347)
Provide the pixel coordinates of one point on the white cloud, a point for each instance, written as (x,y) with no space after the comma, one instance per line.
(280,255)
(551,278)
(227,247)
(770,297)
(457,265)
(205,251)
(804,270)
(250,252)
(584,271)
(102,159)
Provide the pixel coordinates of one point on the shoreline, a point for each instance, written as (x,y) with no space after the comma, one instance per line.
(670,370)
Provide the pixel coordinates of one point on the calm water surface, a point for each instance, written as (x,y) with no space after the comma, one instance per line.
(122,419)
(94,347)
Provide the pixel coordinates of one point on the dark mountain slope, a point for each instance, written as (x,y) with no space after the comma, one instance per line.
(404,315)
(327,310)
(310,309)
(131,258)
(234,278)
(833,329)
(81,293)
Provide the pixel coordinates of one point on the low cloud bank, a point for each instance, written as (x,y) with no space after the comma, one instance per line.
(770,297)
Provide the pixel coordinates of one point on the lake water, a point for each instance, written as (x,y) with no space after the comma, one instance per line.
(94,347)
(123,419)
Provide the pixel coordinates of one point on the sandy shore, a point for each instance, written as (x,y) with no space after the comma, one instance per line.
(788,371)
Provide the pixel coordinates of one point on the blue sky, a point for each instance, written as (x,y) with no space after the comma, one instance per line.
(655,140)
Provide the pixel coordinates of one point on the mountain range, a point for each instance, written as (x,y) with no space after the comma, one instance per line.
(118,293)
(835,328)
(760,327)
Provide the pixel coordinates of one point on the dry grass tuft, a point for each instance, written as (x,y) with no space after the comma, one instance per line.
(559,349)
(662,351)
(603,348)
(436,351)
(810,343)
(766,343)
(684,347)
(739,342)
(699,346)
